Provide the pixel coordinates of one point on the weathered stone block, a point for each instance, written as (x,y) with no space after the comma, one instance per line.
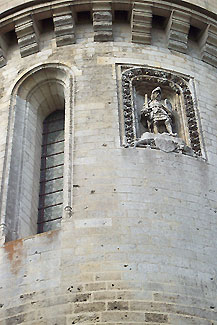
(89,307)
(156,318)
(118,305)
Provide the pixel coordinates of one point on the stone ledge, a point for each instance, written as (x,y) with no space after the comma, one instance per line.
(164,142)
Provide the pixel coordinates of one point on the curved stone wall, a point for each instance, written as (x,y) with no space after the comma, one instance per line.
(137,243)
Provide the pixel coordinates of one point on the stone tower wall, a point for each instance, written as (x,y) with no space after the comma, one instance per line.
(137,243)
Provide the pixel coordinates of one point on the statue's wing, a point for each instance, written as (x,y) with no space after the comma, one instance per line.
(168,105)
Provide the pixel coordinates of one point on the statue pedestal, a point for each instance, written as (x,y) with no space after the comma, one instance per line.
(164,142)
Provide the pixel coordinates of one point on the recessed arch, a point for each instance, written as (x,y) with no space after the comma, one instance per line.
(38,93)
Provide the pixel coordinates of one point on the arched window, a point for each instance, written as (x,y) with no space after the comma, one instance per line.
(51,173)
(32,198)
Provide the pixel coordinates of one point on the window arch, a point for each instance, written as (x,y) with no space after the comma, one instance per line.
(40,94)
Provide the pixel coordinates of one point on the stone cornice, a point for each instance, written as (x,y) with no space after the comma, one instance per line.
(63,13)
(209,9)
(48,6)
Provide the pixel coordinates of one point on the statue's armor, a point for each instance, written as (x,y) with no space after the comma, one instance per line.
(158,111)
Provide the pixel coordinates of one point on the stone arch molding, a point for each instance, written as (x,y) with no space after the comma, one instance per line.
(136,81)
(39,92)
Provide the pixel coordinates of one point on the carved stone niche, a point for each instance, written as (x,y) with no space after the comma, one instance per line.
(158,111)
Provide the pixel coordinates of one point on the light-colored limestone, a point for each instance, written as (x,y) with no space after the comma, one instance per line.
(139,244)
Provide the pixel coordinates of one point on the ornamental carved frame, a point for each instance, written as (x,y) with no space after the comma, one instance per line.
(130,76)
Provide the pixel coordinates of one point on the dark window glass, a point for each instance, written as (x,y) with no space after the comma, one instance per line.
(51,177)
